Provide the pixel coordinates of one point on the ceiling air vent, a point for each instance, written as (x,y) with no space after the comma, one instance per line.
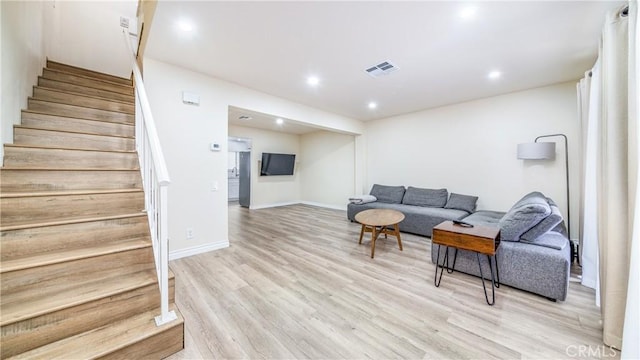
(384,68)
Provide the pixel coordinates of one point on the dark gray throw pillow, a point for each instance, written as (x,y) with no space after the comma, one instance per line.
(462,202)
(425,197)
(524,215)
(388,194)
(544,226)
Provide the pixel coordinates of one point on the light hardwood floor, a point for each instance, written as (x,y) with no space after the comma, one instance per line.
(295,284)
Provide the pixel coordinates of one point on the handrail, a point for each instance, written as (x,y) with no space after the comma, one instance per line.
(155,180)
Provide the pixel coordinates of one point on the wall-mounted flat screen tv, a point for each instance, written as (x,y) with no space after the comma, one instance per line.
(277,164)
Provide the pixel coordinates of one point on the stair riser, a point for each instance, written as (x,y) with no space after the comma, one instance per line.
(58,139)
(61,123)
(69,274)
(54,84)
(84,81)
(85,72)
(20,243)
(29,334)
(39,209)
(80,112)
(79,100)
(158,346)
(53,180)
(68,159)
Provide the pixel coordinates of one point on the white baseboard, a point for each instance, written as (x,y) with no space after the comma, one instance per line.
(195,250)
(327,206)
(265,206)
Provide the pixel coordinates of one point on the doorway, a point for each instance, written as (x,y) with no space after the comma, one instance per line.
(239,170)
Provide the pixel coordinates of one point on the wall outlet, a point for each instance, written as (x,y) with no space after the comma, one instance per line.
(189,233)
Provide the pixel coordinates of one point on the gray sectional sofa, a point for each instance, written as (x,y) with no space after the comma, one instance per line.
(423,208)
(534,254)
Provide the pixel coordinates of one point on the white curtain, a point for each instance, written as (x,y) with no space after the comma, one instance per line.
(610,182)
(589,231)
(631,333)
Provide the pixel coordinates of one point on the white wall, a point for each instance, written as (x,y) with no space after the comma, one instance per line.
(327,168)
(88,34)
(470,148)
(185,133)
(22,59)
(268,191)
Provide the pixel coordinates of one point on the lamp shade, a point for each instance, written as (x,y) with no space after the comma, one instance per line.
(537,151)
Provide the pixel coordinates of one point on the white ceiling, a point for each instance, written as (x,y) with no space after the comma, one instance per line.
(442,58)
(267,122)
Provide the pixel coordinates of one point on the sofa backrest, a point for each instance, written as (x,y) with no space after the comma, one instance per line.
(525,214)
(425,197)
(388,194)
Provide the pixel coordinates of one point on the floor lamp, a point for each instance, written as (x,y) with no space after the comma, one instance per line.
(547,151)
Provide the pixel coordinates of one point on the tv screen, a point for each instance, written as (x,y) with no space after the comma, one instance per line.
(277,164)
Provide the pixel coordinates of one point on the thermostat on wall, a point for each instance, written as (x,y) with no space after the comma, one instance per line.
(214,147)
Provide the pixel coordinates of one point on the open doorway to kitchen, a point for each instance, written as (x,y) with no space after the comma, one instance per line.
(239,171)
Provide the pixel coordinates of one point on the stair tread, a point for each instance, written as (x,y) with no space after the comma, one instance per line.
(31,111)
(80,106)
(37,302)
(60,256)
(105,339)
(70,86)
(129,84)
(70,221)
(42,147)
(73,93)
(66,192)
(67,131)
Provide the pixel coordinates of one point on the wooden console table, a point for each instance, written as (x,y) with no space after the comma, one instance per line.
(479,239)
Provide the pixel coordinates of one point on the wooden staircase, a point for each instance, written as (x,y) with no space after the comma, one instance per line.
(77,271)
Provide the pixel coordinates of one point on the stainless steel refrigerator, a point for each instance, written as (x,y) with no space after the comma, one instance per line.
(244,168)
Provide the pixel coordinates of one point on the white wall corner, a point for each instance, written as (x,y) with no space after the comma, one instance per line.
(195,250)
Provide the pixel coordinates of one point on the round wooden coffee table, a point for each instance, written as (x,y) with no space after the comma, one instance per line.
(380,221)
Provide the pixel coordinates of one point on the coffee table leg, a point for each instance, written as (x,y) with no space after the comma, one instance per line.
(397,232)
(493,282)
(361,234)
(374,236)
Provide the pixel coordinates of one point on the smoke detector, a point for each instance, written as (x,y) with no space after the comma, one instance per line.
(384,68)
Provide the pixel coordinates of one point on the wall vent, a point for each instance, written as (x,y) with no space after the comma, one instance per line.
(384,68)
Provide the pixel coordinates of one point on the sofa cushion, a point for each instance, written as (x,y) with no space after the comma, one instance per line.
(547,224)
(462,202)
(388,194)
(524,215)
(551,239)
(425,197)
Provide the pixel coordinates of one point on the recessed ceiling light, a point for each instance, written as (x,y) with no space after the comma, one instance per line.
(313,80)
(372,105)
(185,25)
(279,121)
(468,12)
(494,75)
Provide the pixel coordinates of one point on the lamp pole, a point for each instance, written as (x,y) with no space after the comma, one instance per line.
(566,166)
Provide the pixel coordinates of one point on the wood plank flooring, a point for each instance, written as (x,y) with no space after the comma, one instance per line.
(294,283)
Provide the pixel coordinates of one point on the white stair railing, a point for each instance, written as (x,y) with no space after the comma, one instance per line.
(155,179)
